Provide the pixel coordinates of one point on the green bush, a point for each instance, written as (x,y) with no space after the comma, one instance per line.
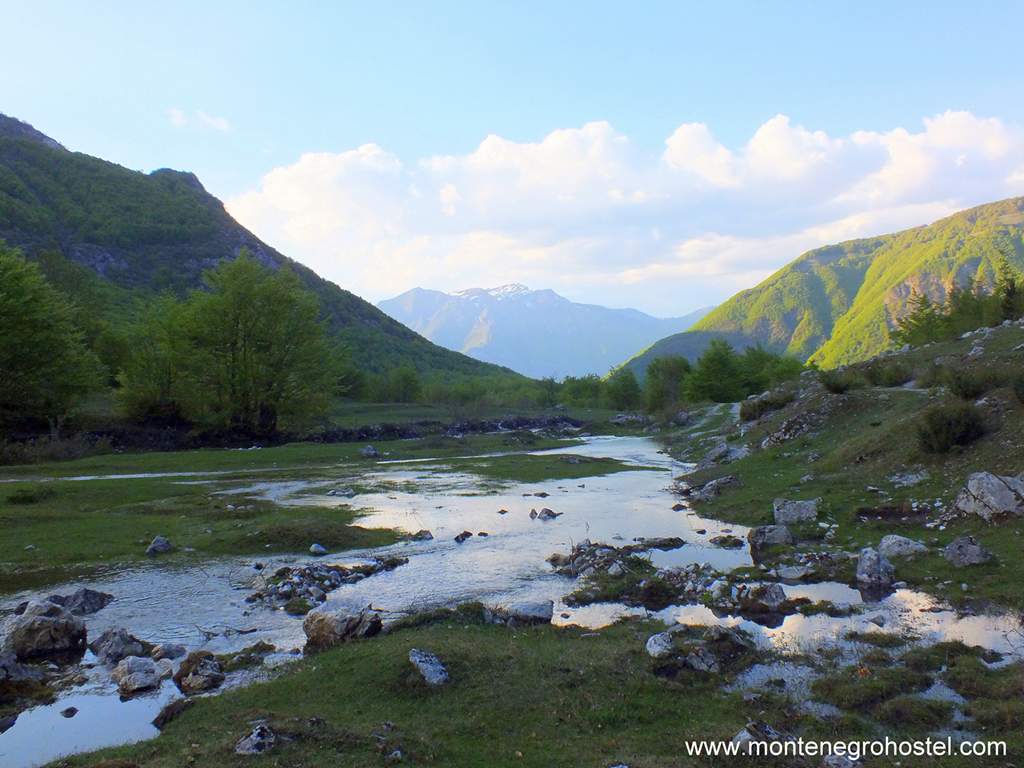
(839,381)
(944,426)
(971,384)
(888,373)
(756,407)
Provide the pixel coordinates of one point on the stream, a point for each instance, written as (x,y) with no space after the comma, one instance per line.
(202,604)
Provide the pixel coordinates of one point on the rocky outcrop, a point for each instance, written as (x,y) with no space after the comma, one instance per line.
(327,629)
(259,740)
(82,602)
(765,536)
(429,666)
(199,672)
(313,582)
(116,644)
(45,629)
(788,512)
(874,570)
(708,650)
(966,551)
(710,490)
(722,453)
(589,557)
(991,497)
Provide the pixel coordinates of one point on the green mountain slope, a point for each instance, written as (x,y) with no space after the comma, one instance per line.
(837,304)
(143,233)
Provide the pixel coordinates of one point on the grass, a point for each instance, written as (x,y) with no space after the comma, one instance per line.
(534,697)
(878,639)
(864,437)
(858,688)
(914,713)
(525,468)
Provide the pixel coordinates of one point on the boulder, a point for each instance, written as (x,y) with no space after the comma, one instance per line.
(134,674)
(463,536)
(756,731)
(726,541)
(326,629)
(369,452)
(700,659)
(547,514)
(787,512)
(83,602)
(159,546)
(874,570)
(795,572)
(259,740)
(527,612)
(116,644)
(317,550)
(900,546)
(168,651)
(429,666)
(769,535)
(991,497)
(660,646)
(45,629)
(966,551)
(770,596)
(713,488)
(200,671)
(170,712)
(422,535)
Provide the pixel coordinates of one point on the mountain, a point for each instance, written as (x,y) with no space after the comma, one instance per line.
(837,304)
(537,333)
(160,231)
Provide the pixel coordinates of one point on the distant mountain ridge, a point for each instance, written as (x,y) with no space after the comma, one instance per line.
(161,231)
(535,332)
(838,304)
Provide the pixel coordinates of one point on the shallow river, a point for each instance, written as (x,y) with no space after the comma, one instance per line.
(202,605)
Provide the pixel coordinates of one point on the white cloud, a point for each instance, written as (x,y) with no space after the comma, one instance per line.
(179,118)
(585,211)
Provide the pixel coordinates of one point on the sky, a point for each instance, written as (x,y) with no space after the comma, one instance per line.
(655,155)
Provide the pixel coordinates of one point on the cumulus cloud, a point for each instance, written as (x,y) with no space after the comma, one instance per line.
(179,118)
(589,213)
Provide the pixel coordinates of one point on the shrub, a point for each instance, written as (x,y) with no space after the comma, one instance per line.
(888,373)
(970,384)
(756,407)
(838,381)
(914,711)
(945,426)
(1018,388)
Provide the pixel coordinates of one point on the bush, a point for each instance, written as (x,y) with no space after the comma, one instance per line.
(970,384)
(888,373)
(1018,388)
(945,426)
(839,381)
(756,407)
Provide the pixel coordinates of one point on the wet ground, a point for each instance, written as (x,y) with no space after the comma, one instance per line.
(202,605)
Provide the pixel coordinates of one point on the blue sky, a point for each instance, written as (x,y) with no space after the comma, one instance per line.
(240,92)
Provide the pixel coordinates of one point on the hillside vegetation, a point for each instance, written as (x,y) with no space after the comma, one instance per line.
(840,303)
(145,233)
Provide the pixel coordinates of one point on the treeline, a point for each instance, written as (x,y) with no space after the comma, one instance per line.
(721,375)
(965,309)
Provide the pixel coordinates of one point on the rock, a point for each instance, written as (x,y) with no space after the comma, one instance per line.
(7,722)
(839,761)
(170,712)
(135,673)
(317,550)
(701,660)
(116,644)
(502,511)
(769,535)
(83,602)
(200,671)
(756,731)
(878,620)
(168,651)
(900,546)
(159,546)
(660,646)
(422,535)
(326,629)
(547,514)
(69,712)
(369,452)
(429,666)
(259,740)
(713,488)
(966,551)
(787,512)
(616,569)
(991,497)
(462,537)
(795,572)
(533,514)
(344,492)
(45,629)
(527,612)
(11,671)
(873,570)
(770,596)
(727,541)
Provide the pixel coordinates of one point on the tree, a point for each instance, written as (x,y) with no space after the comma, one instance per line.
(623,390)
(45,365)
(717,375)
(663,383)
(403,385)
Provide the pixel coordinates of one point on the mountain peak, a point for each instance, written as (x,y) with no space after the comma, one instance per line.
(13,128)
(511,290)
